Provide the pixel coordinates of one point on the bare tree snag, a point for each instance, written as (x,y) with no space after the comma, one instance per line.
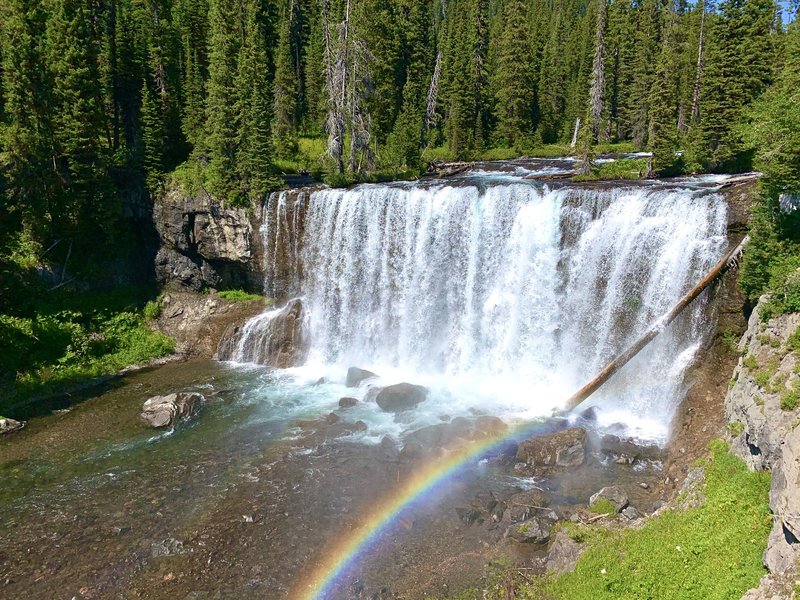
(731,259)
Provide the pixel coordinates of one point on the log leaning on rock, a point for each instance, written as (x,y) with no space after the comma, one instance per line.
(730,260)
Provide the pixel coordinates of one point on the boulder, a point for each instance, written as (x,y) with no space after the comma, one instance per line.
(347,402)
(8,425)
(563,554)
(355,376)
(565,448)
(165,411)
(613,494)
(535,530)
(401,396)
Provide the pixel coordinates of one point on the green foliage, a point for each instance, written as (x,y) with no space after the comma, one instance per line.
(240,296)
(762,379)
(731,341)
(750,362)
(735,428)
(152,310)
(793,343)
(711,552)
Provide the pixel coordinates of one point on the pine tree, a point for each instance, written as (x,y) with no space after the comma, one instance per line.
(254,155)
(647,43)
(514,92)
(152,138)
(664,97)
(221,130)
(591,130)
(193,114)
(286,89)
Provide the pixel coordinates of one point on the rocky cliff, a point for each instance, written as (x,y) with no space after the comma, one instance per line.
(204,244)
(762,408)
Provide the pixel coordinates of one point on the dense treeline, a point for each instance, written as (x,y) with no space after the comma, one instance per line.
(102,99)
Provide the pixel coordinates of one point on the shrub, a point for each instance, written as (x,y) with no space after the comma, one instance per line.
(790,400)
(750,362)
(793,343)
(152,310)
(762,379)
(735,428)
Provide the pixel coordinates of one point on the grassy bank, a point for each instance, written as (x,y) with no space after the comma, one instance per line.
(71,338)
(713,551)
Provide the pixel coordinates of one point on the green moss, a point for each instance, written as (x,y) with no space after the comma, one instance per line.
(603,507)
(712,552)
(240,296)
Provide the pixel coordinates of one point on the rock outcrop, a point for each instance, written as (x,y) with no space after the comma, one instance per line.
(613,494)
(762,408)
(198,322)
(275,338)
(203,243)
(165,411)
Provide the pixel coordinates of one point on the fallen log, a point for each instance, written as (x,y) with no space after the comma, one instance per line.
(731,259)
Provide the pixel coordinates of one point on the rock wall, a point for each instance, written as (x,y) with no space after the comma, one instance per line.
(762,408)
(204,244)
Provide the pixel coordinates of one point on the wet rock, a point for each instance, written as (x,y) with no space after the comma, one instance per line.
(613,494)
(589,415)
(347,402)
(388,447)
(332,418)
(165,411)
(565,448)
(535,530)
(355,376)
(460,429)
(484,501)
(469,515)
(523,505)
(626,451)
(411,451)
(281,341)
(630,513)
(8,425)
(401,396)
(372,393)
(321,381)
(563,554)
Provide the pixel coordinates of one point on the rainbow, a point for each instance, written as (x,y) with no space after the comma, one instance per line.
(344,554)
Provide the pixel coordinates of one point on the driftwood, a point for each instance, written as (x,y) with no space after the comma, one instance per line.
(731,259)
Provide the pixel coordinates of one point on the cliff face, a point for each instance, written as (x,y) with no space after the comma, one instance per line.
(762,408)
(204,244)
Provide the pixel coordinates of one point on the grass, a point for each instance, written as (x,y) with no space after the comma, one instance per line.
(710,552)
(735,428)
(790,400)
(793,343)
(750,362)
(309,157)
(240,296)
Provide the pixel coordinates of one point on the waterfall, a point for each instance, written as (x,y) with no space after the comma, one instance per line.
(512,292)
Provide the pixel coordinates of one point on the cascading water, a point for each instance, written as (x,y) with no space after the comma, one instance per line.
(502,296)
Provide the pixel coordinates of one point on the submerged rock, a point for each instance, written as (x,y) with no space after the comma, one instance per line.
(613,494)
(626,451)
(565,448)
(9,425)
(523,505)
(347,402)
(401,396)
(164,411)
(355,376)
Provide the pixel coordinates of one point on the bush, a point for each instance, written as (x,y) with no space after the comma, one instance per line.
(152,310)
(790,400)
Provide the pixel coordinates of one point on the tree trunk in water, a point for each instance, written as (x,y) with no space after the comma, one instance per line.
(615,365)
